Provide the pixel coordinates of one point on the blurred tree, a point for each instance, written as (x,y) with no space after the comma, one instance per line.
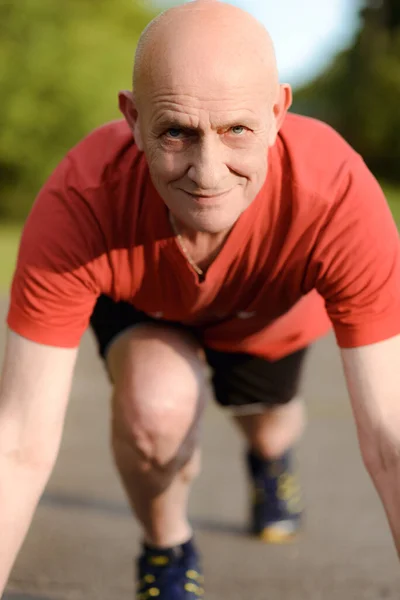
(61,66)
(359,94)
(392,14)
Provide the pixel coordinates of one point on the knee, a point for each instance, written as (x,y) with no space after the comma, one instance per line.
(270,444)
(273,432)
(158,400)
(162,434)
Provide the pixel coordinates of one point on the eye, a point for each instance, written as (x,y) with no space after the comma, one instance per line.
(174,132)
(238,129)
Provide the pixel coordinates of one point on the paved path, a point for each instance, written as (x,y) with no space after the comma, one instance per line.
(82,541)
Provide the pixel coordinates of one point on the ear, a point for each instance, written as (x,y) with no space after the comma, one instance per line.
(127,106)
(280,109)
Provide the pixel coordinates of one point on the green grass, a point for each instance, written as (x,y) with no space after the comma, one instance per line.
(9,239)
(393,196)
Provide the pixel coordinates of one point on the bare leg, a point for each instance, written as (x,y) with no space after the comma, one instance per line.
(271,433)
(157,404)
(276,497)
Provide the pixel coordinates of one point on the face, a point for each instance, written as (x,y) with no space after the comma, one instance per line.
(206,141)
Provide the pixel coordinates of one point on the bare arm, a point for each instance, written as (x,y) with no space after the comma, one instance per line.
(373,379)
(34,389)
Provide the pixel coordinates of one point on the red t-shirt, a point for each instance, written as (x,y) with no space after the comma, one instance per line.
(319,234)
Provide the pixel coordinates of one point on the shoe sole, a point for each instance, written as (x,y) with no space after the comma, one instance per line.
(276,535)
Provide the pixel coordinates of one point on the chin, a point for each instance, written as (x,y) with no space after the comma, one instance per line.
(212,223)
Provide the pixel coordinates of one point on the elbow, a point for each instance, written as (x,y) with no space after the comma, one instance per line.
(381,455)
(27,449)
(42,462)
(38,461)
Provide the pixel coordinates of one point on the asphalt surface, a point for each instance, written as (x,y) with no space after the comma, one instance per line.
(83,540)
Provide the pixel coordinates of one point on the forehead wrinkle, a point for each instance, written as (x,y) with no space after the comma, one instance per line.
(169,105)
(196,92)
(203,120)
(182,102)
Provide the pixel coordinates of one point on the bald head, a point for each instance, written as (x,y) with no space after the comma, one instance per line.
(206,108)
(204,37)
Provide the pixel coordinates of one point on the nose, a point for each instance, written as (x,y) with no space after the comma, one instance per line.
(208,168)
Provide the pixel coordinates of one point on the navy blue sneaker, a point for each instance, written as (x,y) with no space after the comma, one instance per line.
(170,574)
(276,504)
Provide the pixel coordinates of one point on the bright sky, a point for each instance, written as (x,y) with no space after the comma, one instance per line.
(306,33)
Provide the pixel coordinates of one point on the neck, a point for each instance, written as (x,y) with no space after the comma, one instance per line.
(202,247)
(195,237)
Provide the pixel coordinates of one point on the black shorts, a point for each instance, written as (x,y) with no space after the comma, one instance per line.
(238,379)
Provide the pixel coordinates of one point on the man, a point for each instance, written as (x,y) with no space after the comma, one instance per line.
(210,227)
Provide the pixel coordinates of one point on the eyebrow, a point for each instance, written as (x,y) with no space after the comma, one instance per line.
(176,123)
(173,123)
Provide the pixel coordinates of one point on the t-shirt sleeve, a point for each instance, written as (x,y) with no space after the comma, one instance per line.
(61,256)
(355,264)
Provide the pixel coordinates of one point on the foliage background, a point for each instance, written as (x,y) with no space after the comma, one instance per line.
(359,93)
(62,64)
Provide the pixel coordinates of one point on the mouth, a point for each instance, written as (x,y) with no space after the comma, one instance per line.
(204,198)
